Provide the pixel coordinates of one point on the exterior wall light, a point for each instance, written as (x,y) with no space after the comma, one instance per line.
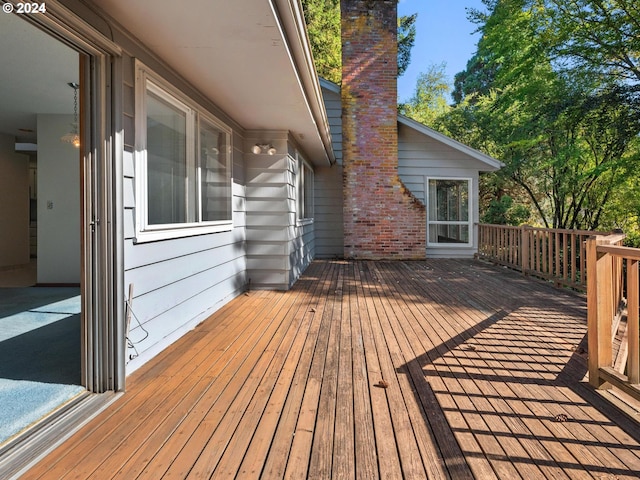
(267,148)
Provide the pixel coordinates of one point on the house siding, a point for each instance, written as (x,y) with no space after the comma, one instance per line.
(279,248)
(421,157)
(270,218)
(177,283)
(329,232)
(333,106)
(329,223)
(302,249)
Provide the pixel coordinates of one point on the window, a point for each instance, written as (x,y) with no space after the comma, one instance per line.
(449,220)
(183,174)
(305,190)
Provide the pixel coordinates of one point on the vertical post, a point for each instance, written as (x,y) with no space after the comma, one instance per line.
(599,309)
(633,329)
(565,251)
(524,248)
(592,312)
(557,271)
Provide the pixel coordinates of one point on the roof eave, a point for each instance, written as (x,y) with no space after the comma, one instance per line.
(291,18)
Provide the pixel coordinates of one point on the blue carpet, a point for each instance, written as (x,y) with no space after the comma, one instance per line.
(24,402)
(35,316)
(39,354)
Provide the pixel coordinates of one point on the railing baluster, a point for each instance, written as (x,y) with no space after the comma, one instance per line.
(581,259)
(565,252)
(556,246)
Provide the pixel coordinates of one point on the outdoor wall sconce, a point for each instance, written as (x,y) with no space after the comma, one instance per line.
(259,148)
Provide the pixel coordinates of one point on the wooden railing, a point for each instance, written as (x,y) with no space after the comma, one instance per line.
(612,273)
(553,254)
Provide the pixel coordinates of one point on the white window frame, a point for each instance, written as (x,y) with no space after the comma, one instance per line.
(304,170)
(147,80)
(468,222)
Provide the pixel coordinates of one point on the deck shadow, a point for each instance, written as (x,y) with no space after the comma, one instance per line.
(513,378)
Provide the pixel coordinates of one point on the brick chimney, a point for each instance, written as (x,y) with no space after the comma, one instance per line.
(382,219)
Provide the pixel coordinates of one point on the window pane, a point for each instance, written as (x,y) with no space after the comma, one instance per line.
(449,207)
(300,203)
(308,192)
(448,200)
(215,175)
(167,174)
(448,233)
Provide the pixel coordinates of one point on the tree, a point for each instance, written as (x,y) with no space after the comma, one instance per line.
(323,26)
(429,100)
(567,138)
(601,36)
(502,211)
(406,40)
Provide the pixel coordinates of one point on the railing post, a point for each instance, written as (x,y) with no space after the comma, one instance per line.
(599,310)
(633,329)
(524,248)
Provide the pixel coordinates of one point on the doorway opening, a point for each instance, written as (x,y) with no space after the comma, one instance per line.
(41,314)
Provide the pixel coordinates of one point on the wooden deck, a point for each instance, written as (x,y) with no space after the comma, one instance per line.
(434,369)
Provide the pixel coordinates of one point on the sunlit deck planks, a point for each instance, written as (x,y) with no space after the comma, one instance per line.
(435,369)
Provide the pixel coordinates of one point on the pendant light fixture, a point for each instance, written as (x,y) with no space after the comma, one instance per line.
(72,137)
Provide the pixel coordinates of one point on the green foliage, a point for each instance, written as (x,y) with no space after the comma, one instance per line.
(568,137)
(504,212)
(633,239)
(599,36)
(406,40)
(429,101)
(323,28)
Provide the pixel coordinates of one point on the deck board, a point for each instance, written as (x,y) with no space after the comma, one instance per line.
(435,369)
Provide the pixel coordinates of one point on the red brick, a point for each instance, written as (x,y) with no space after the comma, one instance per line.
(382,219)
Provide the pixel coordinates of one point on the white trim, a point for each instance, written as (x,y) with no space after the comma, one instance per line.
(147,81)
(301,188)
(291,23)
(470,210)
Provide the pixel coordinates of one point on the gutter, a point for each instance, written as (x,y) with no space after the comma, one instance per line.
(290,18)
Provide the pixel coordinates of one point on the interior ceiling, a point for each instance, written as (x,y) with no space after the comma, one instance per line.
(35,73)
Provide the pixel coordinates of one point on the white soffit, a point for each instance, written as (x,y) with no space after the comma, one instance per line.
(233,52)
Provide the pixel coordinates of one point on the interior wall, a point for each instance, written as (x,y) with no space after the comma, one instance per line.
(58,202)
(14,204)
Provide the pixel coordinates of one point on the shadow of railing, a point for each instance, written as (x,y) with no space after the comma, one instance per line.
(513,379)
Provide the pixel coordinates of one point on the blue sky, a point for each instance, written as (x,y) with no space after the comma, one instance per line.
(443,34)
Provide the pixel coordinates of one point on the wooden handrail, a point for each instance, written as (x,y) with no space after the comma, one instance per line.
(607,261)
(556,254)
(626,252)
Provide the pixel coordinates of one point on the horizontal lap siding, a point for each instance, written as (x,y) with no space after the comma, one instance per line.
(177,283)
(328,219)
(420,157)
(329,231)
(302,250)
(333,105)
(271,219)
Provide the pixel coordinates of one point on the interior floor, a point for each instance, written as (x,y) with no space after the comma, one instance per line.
(39,353)
(19,276)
